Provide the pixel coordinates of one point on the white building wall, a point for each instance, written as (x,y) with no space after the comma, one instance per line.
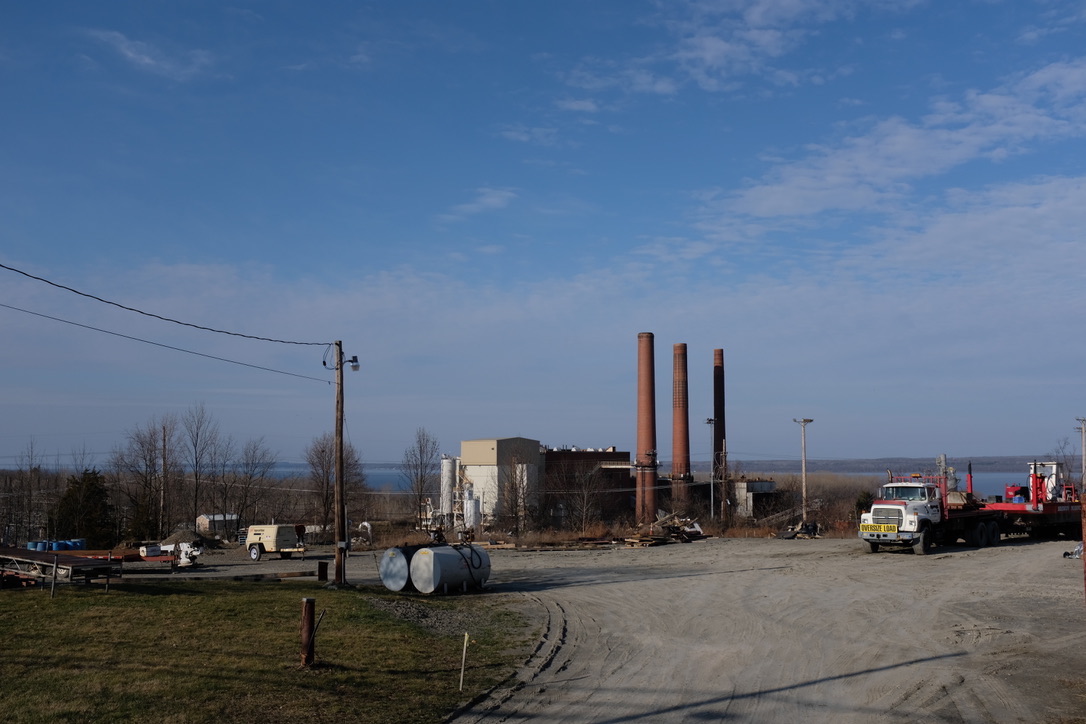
(484,482)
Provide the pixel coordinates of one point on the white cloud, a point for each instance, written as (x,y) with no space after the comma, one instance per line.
(584,105)
(866,171)
(179,65)
(526,134)
(486,199)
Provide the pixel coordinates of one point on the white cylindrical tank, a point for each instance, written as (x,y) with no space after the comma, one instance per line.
(472,517)
(395,568)
(448,483)
(450,568)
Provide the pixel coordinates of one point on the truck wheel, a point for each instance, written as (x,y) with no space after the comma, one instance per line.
(922,546)
(254,552)
(284,554)
(993,533)
(871,546)
(980,535)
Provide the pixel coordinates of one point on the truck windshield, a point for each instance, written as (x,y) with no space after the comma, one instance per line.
(902,493)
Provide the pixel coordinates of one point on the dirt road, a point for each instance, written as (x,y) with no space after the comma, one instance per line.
(805,630)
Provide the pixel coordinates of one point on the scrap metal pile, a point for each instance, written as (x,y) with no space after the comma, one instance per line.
(671,528)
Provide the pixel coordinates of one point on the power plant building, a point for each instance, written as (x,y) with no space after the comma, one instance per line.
(502,474)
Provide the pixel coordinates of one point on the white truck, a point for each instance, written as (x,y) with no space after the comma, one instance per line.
(282,539)
(920,511)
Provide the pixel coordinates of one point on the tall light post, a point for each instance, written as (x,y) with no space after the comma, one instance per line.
(803,452)
(711,422)
(1082,479)
(340,578)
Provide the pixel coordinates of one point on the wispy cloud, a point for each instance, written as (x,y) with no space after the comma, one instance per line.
(486,199)
(866,170)
(584,105)
(538,135)
(179,65)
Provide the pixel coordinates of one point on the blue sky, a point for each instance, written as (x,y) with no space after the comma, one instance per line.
(874,208)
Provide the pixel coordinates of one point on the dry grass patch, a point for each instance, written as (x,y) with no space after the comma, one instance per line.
(230,651)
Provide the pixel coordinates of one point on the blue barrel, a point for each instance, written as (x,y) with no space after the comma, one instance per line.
(55,545)
(79,544)
(32,545)
(41,545)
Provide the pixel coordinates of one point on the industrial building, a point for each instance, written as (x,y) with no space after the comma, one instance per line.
(502,474)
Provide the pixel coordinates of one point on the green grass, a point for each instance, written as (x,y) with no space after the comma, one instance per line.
(230,651)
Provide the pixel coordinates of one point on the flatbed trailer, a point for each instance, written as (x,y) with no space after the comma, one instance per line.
(920,510)
(43,565)
(1047,506)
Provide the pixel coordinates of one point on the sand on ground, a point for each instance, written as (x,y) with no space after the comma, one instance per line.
(767,630)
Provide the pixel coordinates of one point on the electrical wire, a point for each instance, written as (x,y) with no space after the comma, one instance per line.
(167,346)
(156,316)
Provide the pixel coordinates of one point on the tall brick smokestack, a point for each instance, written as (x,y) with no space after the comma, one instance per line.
(645,462)
(720,449)
(680,430)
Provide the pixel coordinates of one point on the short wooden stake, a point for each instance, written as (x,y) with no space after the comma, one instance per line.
(322,571)
(463,661)
(309,606)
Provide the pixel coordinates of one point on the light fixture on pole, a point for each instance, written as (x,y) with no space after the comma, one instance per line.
(1082,479)
(340,577)
(803,452)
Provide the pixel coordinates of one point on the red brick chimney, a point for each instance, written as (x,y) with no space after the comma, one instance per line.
(645,461)
(680,430)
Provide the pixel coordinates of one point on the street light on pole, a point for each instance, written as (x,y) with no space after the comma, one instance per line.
(711,422)
(803,452)
(1082,479)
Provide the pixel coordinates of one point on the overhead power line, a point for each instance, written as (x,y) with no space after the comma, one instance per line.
(156,316)
(167,346)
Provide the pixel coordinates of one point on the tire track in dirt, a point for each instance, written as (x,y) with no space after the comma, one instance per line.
(767,630)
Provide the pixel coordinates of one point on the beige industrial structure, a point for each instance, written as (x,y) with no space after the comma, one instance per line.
(502,474)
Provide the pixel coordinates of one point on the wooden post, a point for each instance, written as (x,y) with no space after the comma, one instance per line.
(322,571)
(309,605)
(463,661)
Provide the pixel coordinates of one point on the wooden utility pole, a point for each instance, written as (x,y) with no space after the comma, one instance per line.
(803,452)
(162,490)
(340,577)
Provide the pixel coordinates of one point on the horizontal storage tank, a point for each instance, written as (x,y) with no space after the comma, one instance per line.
(450,568)
(395,568)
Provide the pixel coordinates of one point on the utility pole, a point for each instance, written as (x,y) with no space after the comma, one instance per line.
(340,578)
(711,422)
(162,490)
(1082,479)
(803,452)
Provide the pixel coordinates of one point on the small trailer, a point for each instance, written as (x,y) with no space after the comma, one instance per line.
(26,566)
(282,539)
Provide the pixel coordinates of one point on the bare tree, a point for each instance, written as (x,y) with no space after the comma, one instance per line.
(513,491)
(252,477)
(200,433)
(577,487)
(29,495)
(421,468)
(321,458)
(149,467)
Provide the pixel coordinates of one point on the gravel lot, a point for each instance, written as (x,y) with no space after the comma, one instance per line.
(771,630)
(804,630)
